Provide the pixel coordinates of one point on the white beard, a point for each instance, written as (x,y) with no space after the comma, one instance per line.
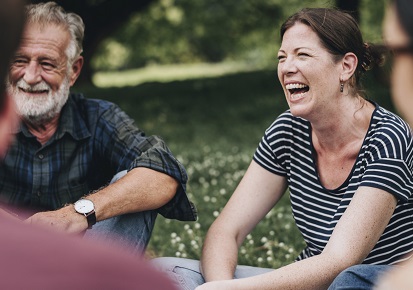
(40,109)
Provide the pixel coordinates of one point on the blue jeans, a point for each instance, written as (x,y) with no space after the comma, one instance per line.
(130,230)
(186,275)
(358,277)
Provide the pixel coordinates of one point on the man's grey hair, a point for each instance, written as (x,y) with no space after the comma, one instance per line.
(51,13)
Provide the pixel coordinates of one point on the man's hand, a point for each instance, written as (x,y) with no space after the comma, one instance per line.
(65,219)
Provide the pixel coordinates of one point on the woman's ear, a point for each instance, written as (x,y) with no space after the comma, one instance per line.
(349,66)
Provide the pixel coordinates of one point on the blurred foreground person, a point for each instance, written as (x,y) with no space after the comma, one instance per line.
(38,259)
(69,148)
(398,35)
(344,159)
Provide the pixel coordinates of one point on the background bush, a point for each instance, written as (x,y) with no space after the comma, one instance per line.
(188,31)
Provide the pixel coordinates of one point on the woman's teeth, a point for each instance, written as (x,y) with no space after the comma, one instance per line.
(296,96)
(297,90)
(295,86)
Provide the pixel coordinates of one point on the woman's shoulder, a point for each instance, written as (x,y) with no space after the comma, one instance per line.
(384,120)
(389,133)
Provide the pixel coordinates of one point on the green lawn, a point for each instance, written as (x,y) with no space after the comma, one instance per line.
(213,125)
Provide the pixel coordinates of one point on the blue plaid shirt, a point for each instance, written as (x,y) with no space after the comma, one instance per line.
(95,140)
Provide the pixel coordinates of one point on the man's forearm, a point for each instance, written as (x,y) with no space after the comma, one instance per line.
(140,189)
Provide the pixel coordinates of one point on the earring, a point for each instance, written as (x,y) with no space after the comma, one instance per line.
(341,87)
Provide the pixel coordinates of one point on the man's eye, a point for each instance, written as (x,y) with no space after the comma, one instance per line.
(19,61)
(47,65)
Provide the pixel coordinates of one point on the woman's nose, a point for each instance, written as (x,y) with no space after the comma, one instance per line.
(287,66)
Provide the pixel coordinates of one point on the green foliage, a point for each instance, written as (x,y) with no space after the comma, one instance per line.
(185,31)
(213,126)
(372,13)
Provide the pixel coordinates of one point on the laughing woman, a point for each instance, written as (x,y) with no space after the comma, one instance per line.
(346,161)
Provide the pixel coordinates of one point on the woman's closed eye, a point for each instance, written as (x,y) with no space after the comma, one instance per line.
(281,57)
(303,54)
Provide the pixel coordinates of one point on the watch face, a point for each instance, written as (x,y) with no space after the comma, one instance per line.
(84,206)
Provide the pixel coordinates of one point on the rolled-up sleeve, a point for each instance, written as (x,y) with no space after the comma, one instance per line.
(156,156)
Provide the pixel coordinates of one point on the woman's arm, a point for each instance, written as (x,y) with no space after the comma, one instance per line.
(354,237)
(256,194)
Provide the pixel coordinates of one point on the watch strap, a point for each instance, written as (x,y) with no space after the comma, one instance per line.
(91,219)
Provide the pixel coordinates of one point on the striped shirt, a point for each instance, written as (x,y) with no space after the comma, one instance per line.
(95,140)
(385,161)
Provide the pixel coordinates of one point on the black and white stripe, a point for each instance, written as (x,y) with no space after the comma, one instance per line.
(385,161)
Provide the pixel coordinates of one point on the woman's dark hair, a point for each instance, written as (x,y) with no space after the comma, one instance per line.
(404,10)
(339,33)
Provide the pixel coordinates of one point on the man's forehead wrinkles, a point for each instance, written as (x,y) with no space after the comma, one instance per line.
(40,53)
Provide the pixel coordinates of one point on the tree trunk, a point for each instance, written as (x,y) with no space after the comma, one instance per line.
(350,6)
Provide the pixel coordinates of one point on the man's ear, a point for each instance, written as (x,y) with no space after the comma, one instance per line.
(349,65)
(76,69)
(8,123)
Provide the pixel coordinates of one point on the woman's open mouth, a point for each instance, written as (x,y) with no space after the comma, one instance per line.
(297,90)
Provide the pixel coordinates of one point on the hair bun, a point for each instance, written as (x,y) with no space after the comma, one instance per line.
(373,55)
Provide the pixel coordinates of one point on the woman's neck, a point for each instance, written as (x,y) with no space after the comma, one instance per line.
(336,132)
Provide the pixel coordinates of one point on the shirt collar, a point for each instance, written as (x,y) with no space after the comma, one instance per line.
(71,121)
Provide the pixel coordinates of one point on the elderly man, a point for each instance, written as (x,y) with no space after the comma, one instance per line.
(35,258)
(68,147)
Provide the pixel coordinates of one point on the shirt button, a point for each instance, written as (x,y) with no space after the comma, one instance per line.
(41,156)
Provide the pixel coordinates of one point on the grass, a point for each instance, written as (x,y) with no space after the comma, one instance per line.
(168,73)
(213,125)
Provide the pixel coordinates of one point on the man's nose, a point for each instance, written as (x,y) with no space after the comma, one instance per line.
(32,73)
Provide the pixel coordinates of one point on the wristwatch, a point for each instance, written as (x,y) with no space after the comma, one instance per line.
(87,208)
